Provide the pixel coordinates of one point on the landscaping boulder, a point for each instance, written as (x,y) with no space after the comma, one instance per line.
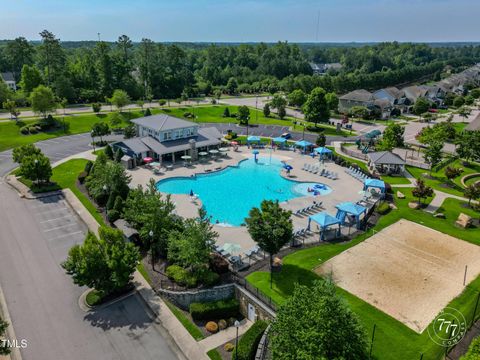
(414,205)
(439,215)
(392,206)
(400,195)
(464,221)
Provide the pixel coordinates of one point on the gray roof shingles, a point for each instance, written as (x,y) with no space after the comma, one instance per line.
(163,122)
(385,157)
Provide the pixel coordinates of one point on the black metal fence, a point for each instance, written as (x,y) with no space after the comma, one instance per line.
(259,294)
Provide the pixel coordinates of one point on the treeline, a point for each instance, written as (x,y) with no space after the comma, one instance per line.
(148,70)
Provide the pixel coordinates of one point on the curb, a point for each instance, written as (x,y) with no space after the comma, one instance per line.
(15,353)
(82,303)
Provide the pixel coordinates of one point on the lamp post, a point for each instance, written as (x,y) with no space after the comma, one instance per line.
(150,233)
(36,169)
(92,133)
(237,325)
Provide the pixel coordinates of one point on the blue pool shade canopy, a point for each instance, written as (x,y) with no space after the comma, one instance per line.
(324,220)
(351,208)
(375,183)
(253,138)
(303,143)
(287,167)
(322,150)
(279,140)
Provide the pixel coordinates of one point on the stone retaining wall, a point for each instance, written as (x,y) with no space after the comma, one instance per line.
(183,299)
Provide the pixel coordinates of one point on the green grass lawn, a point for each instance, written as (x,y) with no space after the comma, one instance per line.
(439,181)
(214,355)
(395,180)
(191,327)
(214,114)
(394,341)
(11,137)
(65,175)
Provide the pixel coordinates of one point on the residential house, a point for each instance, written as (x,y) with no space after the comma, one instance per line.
(414,92)
(9,79)
(355,98)
(166,139)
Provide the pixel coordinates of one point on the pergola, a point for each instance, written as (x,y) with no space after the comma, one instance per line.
(374,183)
(303,144)
(279,140)
(325,220)
(349,208)
(323,151)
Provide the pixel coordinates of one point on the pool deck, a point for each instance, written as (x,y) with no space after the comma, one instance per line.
(345,188)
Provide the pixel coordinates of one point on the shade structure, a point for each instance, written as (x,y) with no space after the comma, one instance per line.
(303,143)
(147,160)
(373,134)
(324,220)
(255,152)
(231,248)
(322,150)
(253,138)
(345,208)
(279,140)
(374,183)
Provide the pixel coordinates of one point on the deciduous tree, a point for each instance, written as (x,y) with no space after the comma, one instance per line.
(42,100)
(316,107)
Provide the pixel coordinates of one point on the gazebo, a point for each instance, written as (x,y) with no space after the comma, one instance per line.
(279,140)
(349,208)
(253,139)
(303,144)
(325,220)
(323,151)
(374,183)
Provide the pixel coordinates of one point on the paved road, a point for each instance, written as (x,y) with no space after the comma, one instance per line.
(35,236)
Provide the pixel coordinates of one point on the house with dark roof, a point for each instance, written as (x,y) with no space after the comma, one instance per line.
(385,162)
(9,79)
(166,139)
(321,68)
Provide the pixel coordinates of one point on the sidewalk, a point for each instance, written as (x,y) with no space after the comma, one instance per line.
(190,348)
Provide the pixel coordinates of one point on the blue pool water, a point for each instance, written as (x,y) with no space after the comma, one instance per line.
(228,195)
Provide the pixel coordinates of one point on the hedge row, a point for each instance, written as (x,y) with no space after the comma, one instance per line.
(222,309)
(248,344)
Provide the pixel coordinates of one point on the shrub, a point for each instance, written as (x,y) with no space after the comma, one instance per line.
(209,278)
(222,324)
(88,167)
(181,276)
(24,130)
(82,176)
(247,346)
(96,107)
(383,208)
(211,327)
(214,310)
(228,347)
(162,102)
(188,115)
(113,215)
(32,129)
(147,112)
(315,129)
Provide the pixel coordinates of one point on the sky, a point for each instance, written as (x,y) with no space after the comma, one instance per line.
(244,20)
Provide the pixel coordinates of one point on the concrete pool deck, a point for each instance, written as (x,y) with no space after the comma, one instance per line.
(345,188)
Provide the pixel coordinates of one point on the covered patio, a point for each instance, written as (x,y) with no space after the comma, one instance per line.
(279,141)
(324,221)
(303,144)
(355,211)
(323,152)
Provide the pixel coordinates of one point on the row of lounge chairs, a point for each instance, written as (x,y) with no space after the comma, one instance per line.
(308,208)
(322,172)
(357,174)
(300,233)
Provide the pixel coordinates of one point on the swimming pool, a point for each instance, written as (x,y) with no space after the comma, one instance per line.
(228,195)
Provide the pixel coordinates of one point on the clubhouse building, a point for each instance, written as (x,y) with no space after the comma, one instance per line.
(166,139)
